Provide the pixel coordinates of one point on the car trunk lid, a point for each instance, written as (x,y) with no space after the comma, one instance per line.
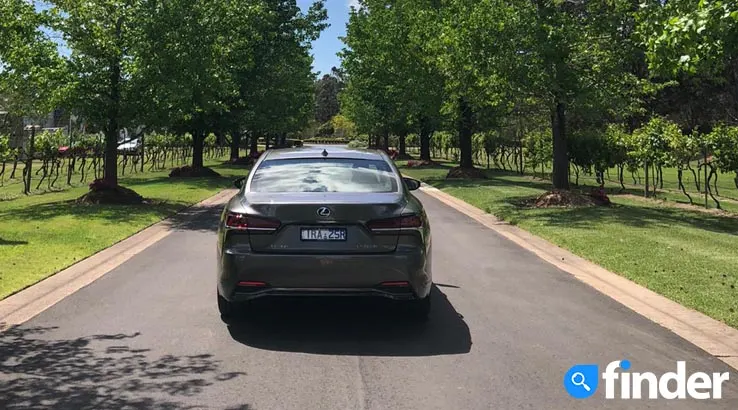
(324,223)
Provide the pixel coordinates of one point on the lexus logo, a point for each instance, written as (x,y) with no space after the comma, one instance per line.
(323,211)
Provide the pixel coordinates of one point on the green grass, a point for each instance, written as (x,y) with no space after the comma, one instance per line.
(685,255)
(44,233)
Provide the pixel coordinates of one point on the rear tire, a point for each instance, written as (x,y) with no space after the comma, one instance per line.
(418,310)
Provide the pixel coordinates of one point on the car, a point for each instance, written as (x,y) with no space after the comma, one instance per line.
(324,222)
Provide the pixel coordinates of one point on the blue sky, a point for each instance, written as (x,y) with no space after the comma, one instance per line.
(325,49)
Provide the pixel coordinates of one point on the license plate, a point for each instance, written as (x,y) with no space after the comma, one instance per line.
(323,234)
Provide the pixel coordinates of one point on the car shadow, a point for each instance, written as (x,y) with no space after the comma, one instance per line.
(352,327)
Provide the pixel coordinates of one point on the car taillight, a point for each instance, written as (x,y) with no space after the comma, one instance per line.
(407,221)
(247,222)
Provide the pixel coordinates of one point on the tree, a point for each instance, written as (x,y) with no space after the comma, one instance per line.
(326,98)
(393,87)
(101,36)
(31,71)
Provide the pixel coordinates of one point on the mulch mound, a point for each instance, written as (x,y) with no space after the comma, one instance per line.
(466,173)
(415,163)
(189,172)
(102,193)
(243,161)
(563,199)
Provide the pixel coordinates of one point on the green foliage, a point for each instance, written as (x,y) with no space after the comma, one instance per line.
(689,35)
(391,84)
(357,144)
(90,143)
(538,148)
(31,71)
(325,130)
(46,144)
(724,143)
(650,143)
(592,150)
(6,153)
(343,127)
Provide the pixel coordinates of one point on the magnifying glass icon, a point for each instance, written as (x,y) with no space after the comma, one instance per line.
(578,379)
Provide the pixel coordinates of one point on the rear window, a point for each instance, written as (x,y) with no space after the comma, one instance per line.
(324,175)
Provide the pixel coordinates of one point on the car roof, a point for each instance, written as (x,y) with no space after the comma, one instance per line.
(316,151)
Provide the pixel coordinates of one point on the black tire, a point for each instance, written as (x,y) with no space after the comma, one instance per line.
(418,310)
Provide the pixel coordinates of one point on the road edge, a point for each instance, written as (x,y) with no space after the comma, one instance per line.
(26,304)
(710,335)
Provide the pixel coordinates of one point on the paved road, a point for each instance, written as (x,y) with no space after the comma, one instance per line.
(504,328)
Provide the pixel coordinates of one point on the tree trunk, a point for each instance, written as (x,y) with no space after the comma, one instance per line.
(403,148)
(425,136)
(143,151)
(707,186)
(15,166)
(235,145)
(110,154)
(560,176)
(254,140)
(707,183)
(29,162)
(646,186)
(522,160)
(680,173)
(385,141)
(465,134)
(696,178)
(197,145)
(267,139)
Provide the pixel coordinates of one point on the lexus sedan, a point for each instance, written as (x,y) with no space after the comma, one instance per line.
(317,222)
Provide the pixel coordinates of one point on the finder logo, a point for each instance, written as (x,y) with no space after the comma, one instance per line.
(582,380)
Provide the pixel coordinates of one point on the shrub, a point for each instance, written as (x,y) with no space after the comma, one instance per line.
(325,130)
(356,144)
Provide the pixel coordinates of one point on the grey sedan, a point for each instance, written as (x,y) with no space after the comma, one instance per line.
(324,222)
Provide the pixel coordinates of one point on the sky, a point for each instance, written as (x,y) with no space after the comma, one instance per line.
(326,47)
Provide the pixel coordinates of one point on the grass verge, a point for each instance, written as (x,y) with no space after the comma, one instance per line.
(685,255)
(45,233)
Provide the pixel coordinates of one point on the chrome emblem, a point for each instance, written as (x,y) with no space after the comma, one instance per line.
(323,211)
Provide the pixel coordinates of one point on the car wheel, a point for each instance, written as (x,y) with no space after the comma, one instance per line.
(418,310)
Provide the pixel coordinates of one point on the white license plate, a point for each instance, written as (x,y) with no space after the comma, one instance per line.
(323,234)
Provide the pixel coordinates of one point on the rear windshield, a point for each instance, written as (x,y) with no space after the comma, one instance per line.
(324,175)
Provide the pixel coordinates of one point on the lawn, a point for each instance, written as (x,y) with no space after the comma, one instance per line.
(44,233)
(685,255)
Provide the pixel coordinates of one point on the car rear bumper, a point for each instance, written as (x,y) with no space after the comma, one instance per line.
(325,275)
